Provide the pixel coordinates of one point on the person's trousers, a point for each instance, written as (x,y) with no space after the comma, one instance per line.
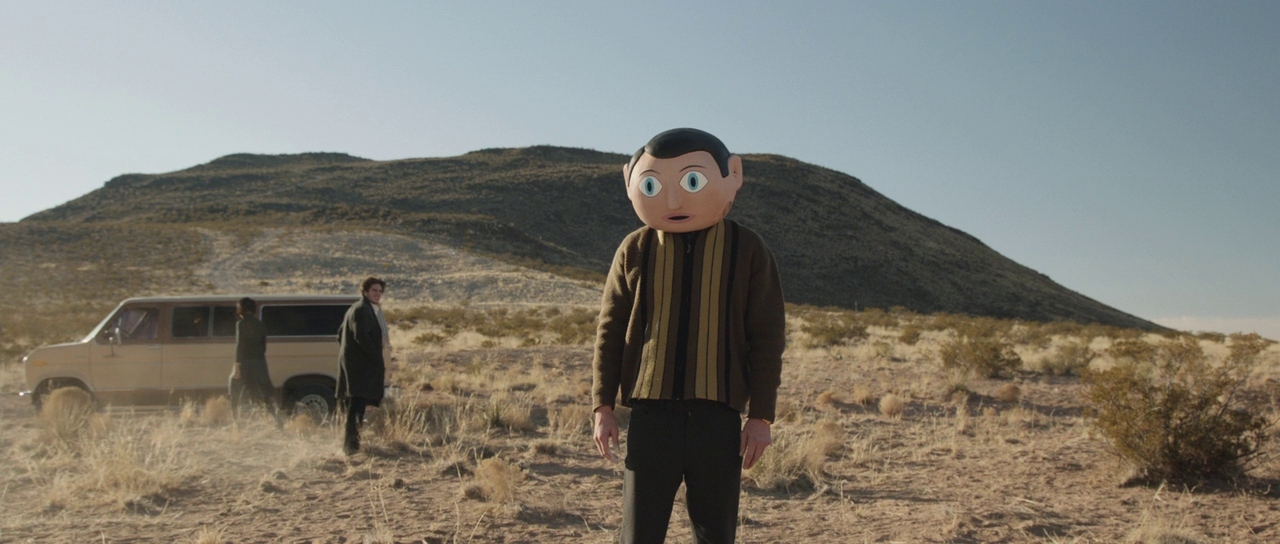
(670,441)
(355,420)
(253,388)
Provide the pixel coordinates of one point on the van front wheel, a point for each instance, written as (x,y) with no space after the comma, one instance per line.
(316,400)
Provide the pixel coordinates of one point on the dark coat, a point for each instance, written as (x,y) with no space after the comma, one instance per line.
(251,353)
(361,370)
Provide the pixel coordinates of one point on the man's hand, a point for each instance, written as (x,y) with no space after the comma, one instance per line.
(235,372)
(606,431)
(755,438)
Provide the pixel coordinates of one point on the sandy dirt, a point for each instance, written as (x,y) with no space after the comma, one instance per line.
(1026,471)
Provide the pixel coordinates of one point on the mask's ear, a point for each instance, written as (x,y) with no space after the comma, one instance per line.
(735,172)
(626,174)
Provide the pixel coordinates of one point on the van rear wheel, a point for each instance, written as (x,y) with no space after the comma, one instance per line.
(315,400)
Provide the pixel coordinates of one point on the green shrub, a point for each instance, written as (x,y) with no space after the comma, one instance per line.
(1172,413)
(987,356)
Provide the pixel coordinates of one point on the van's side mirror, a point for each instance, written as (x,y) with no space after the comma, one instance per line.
(110,335)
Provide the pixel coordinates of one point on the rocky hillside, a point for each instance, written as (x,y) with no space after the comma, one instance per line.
(838,242)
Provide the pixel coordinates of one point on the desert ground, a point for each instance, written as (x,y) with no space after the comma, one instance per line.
(487,438)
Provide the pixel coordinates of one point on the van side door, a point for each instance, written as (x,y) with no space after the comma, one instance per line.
(125,359)
(201,349)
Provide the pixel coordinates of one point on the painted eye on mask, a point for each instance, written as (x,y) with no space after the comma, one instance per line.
(650,186)
(693,182)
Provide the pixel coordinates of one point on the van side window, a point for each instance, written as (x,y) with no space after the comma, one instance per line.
(137,324)
(224,321)
(312,320)
(191,322)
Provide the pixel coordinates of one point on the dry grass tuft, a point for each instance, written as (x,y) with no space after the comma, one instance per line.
(498,479)
(66,414)
(302,425)
(863,395)
(1070,359)
(892,406)
(209,535)
(982,352)
(546,447)
(216,412)
(1150,533)
(796,459)
(1008,393)
(826,398)
(570,421)
(511,412)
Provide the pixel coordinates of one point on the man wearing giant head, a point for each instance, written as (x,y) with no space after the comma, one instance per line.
(691,335)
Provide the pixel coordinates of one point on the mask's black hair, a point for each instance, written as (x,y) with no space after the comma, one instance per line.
(678,141)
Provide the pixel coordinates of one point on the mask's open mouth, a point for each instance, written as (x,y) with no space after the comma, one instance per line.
(678,217)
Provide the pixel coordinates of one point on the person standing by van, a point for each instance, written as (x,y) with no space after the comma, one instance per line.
(250,380)
(361,367)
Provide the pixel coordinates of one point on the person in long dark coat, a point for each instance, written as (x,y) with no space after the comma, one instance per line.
(250,380)
(361,368)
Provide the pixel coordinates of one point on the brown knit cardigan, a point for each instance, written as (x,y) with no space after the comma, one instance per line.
(754,316)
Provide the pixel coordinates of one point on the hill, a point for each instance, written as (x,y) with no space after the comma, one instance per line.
(837,241)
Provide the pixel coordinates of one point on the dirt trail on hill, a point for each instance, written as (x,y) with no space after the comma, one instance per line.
(419,271)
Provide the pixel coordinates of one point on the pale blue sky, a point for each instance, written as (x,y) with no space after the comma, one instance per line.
(1129,150)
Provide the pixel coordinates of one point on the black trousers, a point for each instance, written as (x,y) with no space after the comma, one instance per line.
(355,420)
(670,441)
(253,387)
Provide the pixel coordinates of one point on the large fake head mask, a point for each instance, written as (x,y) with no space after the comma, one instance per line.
(683,180)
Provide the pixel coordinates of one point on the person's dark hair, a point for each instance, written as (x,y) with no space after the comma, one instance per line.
(370,282)
(678,141)
(247,305)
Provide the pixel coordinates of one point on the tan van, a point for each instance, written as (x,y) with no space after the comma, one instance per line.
(161,350)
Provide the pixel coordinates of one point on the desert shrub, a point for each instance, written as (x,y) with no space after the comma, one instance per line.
(826,398)
(216,411)
(577,326)
(404,420)
(209,535)
(910,334)
(1008,393)
(832,329)
(573,327)
(876,317)
(1061,328)
(1215,337)
(433,338)
(66,414)
(1173,414)
(1133,350)
(1069,359)
(513,413)
(1031,334)
(795,459)
(498,479)
(1157,533)
(892,405)
(862,394)
(572,420)
(986,355)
